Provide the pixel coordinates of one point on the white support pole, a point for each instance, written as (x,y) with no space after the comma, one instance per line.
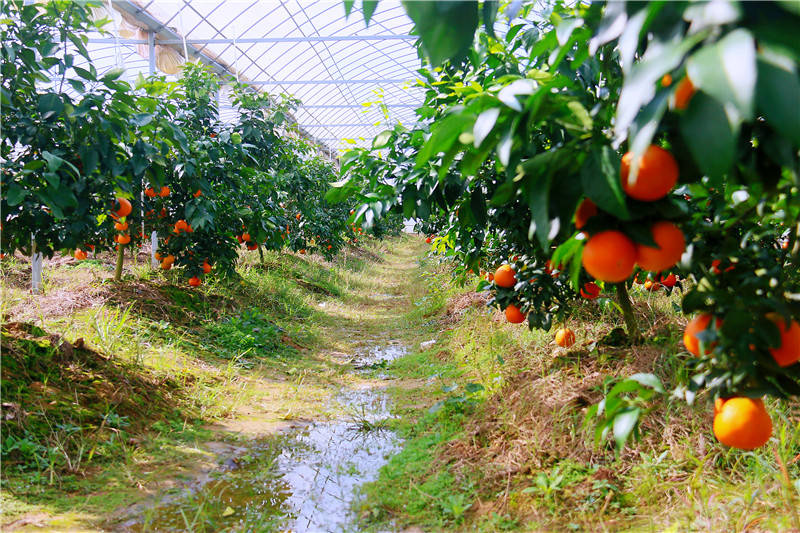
(153,249)
(36,268)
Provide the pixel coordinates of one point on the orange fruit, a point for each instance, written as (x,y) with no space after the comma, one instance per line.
(330,246)
(298,216)
(245,236)
(122,207)
(79,254)
(164,192)
(741,422)
(669,281)
(658,174)
(165,265)
(252,246)
(683,93)
(695,326)
(122,238)
(198,193)
(609,256)
(651,285)
(565,337)
(169,258)
(194,281)
(788,353)
(158,256)
(514,315)
(120,226)
(505,277)
(671,245)
(428,240)
(162,213)
(586,210)
(303,252)
(206,267)
(590,291)
(666,80)
(150,192)
(352,211)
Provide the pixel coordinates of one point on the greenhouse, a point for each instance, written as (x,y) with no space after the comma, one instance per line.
(413,266)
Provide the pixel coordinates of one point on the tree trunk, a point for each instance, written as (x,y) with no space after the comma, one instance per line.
(627,312)
(261,254)
(120,260)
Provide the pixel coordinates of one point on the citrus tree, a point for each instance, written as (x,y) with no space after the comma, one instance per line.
(608,139)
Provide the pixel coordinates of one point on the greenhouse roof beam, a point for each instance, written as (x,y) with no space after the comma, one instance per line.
(349,106)
(325,82)
(260,40)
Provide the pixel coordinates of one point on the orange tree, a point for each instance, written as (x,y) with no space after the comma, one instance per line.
(647,111)
(64,147)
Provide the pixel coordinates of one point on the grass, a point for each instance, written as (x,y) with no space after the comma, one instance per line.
(109,389)
(112,393)
(517,453)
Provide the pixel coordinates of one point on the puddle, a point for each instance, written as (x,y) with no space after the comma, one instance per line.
(304,480)
(378,357)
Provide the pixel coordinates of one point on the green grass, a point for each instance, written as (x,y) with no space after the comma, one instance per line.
(529,416)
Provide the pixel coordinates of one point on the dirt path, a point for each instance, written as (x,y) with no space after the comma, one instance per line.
(297,451)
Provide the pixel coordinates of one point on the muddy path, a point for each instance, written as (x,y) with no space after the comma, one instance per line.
(303,474)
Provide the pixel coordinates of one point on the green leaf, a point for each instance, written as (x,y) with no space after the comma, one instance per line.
(368,7)
(727,71)
(443,136)
(624,423)
(348,7)
(484,124)
(601,181)
(15,194)
(50,103)
(648,380)
(447,29)
(489,15)
(503,194)
(113,74)
(382,140)
(54,162)
(538,195)
(777,96)
(709,135)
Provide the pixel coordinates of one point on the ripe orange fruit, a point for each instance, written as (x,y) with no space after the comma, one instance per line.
(303,251)
(194,281)
(120,226)
(514,315)
(683,93)
(658,174)
(651,285)
(245,236)
(671,245)
(198,193)
(122,207)
(669,281)
(162,213)
(252,246)
(715,267)
(169,258)
(695,326)
(586,210)
(428,240)
(150,192)
(158,256)
(609,256)
(164,192)
(298,216)
(742,423)
(565,337)
(352,211)
(505,277)
(166,265)
(79,254)
(666,80)
(590,291)
(330,246)
(180,225)
(206,267)
(788,353)
(122,238)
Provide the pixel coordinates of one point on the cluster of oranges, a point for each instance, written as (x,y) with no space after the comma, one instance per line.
(611,255)
(505,277)
(742,422)
(121,209)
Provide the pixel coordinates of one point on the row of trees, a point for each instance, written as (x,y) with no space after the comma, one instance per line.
(597,141)
(92,162)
